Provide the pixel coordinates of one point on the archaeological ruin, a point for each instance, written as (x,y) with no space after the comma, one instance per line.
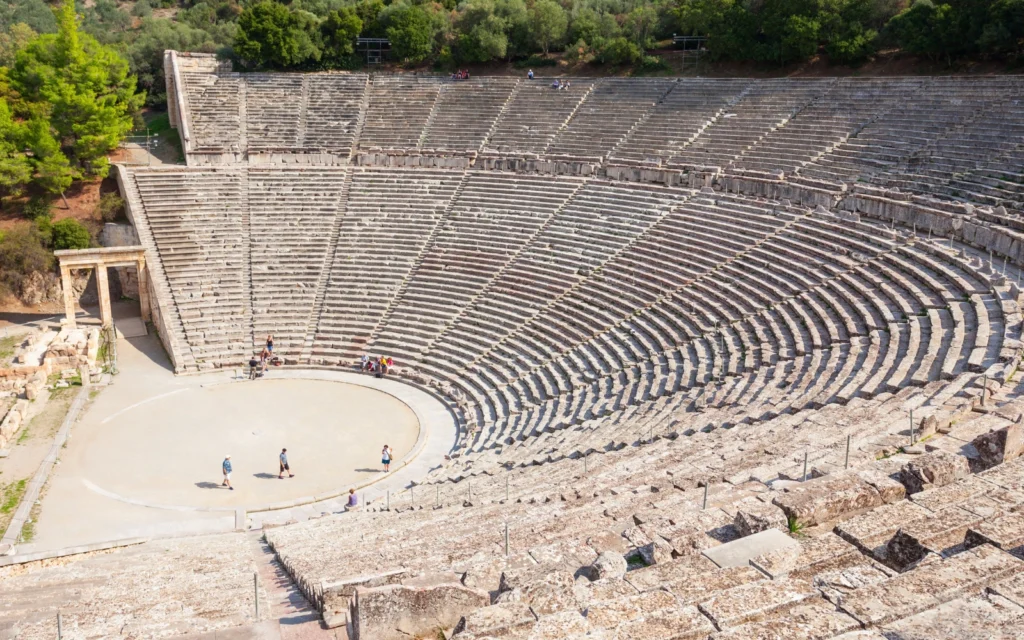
(725,358)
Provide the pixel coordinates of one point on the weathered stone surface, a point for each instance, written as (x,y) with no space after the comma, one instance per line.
(755,516)
(738,553)
(395,612)
(810,552)
(498,621)
(673,623)
(888,488)
(828,498)
(607,589)
(929,585)
(874,528)
(935,469)
(1011,588)
(612,613)
(999,446)
(856,573)
(682,569)
(971,618)
(551,593)
(1005,532)
(608,541)
(694,591)
(608,565)
(753,600)
(904,550)
(568,625)
(811,619)
(1009,475)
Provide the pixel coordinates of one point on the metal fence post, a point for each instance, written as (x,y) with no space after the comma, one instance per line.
(704,505)
(256,592)
(805,467)
(60,627)
(846,463)
(389,500)
(506,539)
(911,426)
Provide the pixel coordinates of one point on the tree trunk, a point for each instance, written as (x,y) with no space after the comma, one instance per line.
(66,205)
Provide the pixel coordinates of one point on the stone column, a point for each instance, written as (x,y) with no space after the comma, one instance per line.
(143,278)
(103,288)
(69,295)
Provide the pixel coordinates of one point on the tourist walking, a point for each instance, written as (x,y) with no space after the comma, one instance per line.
(385,458)
(283,459)
(226,468)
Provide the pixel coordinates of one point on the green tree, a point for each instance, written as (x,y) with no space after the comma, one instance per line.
(53,171)
(15,169)
(410,33)
(339,32)
(90,99)
(640,24)
(272,36)
(70,234)
(14,40)
(548,22)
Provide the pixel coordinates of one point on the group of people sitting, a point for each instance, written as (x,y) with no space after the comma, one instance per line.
(461,74)
(258,366)
(379,365)
(559,85)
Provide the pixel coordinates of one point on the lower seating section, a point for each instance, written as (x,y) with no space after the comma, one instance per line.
(870,554)
(537,303)
(199,225)
(292,218)
(166,588)
(389,218)
(493,218)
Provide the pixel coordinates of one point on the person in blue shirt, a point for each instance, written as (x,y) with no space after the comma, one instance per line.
(530,74)
(226,468)
(283,458)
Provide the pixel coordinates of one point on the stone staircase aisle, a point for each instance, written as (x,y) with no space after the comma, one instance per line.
(285,606)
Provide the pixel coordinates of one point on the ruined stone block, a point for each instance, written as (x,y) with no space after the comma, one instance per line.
(828,498)
(999,446)
(395,612)
(755,516)
(935,469)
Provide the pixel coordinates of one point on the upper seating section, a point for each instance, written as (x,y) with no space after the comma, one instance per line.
(950,135)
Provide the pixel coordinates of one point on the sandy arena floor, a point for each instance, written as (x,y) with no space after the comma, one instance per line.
(144,459)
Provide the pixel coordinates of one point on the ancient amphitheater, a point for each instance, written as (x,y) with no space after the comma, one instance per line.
(729,358)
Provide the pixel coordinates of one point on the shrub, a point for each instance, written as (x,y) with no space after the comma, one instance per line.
(620,51)
(652,63)
(110,207)
(70,234)
(37,208)
(22,252)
